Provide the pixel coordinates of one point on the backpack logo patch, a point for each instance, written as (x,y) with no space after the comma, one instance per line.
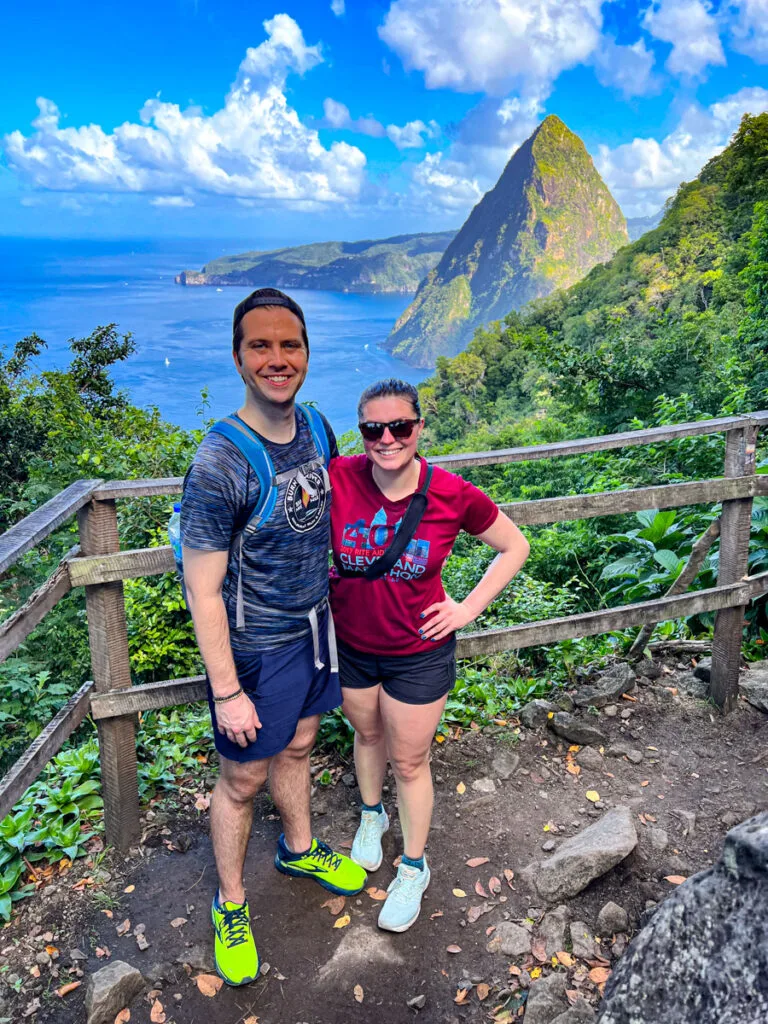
(305,500)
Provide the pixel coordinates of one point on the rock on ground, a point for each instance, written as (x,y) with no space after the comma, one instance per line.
(511,939)
(111,989)
(574,730)
(546,999)
(582,941)
(703,957)
(536,712)
(612,919)
(552,929)
(586,856)
(610,686)
(580,1013)
(590,758)
(505,764)
(756,692)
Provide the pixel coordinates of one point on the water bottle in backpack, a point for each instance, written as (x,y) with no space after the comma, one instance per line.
(174,538)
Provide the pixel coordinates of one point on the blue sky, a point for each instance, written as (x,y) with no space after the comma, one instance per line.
(280,122)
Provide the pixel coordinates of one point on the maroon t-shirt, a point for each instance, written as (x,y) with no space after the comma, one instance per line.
(383,616)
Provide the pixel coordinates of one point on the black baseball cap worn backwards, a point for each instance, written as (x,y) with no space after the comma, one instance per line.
(266,297)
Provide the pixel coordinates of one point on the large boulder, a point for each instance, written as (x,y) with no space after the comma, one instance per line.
(110,990)
(703,957)
(753,685)
(546,999)
(586,856)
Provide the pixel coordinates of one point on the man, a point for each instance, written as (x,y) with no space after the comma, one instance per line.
(258,598)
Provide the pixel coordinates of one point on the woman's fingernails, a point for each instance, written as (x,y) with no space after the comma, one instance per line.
(422,615)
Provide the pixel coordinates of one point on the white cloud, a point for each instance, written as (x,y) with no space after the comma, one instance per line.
(255,146)
(337,115)
(749,31)
(337,6)
(177,201)
(492,46)
(691,28)
(443,186)
(628,68)
(412,135)
(643,173)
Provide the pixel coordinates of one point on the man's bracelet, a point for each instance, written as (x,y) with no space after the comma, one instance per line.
(230,696)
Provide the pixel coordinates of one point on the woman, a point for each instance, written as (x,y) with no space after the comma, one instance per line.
(396,633)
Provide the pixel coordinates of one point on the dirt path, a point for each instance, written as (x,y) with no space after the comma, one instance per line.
(698,775)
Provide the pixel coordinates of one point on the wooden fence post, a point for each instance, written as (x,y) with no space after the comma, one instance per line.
(734,548)
(108,635)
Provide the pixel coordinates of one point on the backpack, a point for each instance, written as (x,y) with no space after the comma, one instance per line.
(249,444)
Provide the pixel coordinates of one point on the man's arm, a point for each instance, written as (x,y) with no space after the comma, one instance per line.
(204,573)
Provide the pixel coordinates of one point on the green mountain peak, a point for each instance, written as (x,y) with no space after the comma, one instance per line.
(548,220)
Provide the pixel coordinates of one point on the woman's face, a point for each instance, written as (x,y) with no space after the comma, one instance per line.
(391,453)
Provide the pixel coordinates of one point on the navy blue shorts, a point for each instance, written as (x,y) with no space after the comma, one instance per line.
(410,678)
(285,687)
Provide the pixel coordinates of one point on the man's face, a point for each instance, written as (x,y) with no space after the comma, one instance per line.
(272,359)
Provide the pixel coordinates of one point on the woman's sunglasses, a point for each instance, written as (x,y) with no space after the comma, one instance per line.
(399,429)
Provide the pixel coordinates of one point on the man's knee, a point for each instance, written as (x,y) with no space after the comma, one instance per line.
(242,782)
(303,741)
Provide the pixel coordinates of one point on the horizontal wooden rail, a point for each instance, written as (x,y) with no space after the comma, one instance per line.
(610,503)
(17,627)
(123,565)
(47,745)
(149,697)
(43,521)
(580,446)
(571,627)
(153,696)
(140,488)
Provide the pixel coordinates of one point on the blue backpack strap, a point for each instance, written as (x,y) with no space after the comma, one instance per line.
(246,441)
(317,429)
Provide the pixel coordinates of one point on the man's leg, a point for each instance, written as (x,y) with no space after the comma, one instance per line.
(289,784)
(231,820)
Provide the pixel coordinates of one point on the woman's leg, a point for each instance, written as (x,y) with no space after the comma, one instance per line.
(361,706)
(409,729)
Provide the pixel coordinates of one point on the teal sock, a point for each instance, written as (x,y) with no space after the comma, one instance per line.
(379,807)
(413,862)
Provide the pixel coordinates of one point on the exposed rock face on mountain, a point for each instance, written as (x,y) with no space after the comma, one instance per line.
(549,219)
(385,265)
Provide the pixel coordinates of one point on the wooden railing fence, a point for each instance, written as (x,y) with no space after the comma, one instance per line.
(100,566)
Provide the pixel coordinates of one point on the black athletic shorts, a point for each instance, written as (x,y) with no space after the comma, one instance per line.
(410,678)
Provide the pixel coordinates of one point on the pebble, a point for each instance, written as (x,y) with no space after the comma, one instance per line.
(549,845)
(626,714)
(610,711)
(417,1003)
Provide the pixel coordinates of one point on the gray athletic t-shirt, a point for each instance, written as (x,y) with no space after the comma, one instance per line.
(285,561)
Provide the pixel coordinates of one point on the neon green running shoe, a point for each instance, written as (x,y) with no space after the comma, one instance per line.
(332,870)
(237,961)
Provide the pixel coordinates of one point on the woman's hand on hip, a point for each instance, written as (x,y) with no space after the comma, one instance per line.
(443,618)
(237,720)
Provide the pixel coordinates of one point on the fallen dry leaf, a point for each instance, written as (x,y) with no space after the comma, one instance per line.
(345,844)
(644,782)
(453,948)
(599,975)
(209,984)
(626,696)
(129,888)
(157,1014)
(342,922)
(251,1020)
(592,795)
(66,989)
(35,971)
(123,1017)
(52,951)
(565,958)
(177,922)
(461,995)
(359,994)
(102,951)
(108,913)
(494,884)
(675,879)
(459,893)
(202,802)
(509,874)
(539,949)
(483,991)
(376,894)
(124,928)
(475,862)
(335,905)
(461,788)
(573,768)
(480,890)
(437,913)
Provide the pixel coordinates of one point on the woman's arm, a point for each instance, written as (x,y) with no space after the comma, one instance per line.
(449,615)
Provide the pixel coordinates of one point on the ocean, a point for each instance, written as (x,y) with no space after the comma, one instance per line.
(64,289)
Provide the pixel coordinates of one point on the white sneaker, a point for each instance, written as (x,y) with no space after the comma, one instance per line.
(366,848)
(403,905)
